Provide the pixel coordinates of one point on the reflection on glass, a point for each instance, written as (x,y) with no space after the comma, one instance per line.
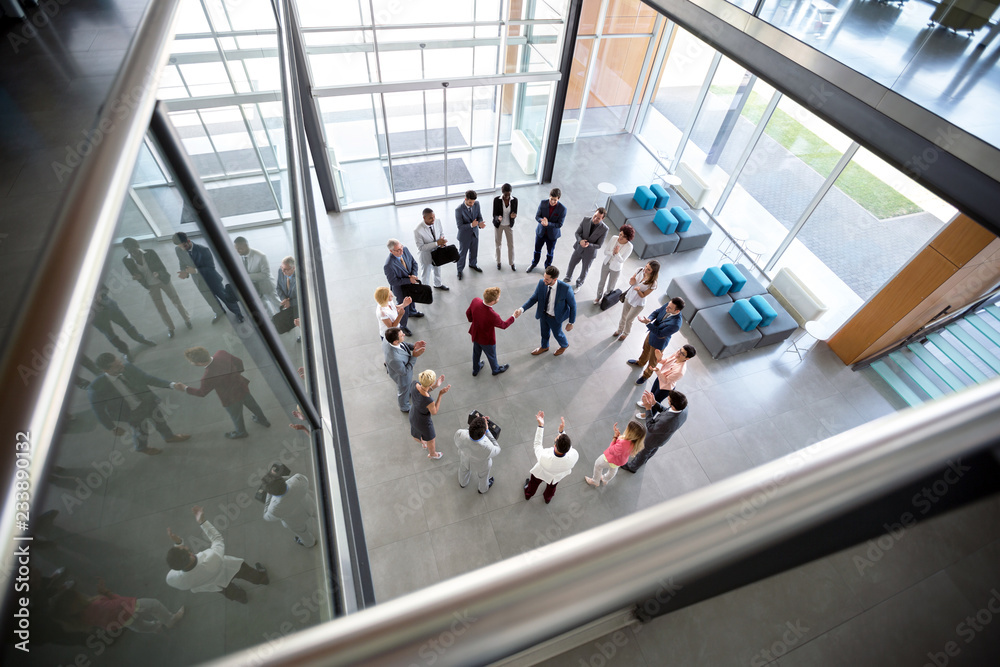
(684,69)
(355,142)
(416,140)
(613,84)
(868,225)
(150,535)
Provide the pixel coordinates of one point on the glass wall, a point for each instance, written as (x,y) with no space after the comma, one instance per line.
(439,45)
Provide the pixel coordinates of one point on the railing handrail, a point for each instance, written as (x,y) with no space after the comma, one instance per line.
(511,605)
(53,327)
(938,322)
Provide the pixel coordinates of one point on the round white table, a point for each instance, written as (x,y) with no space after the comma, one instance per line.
(673,180)
(606,190)
(817,329)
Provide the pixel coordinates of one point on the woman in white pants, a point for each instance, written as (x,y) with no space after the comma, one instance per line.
(640,286)
(615,255)
(622,447)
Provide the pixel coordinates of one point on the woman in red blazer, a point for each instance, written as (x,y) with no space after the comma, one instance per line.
(224,375)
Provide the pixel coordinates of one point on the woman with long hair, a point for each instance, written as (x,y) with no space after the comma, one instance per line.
(423,407)
(615,255)
(623,446)
(640,285)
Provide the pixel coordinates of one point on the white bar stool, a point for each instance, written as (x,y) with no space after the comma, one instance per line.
(733,243)
(606,190)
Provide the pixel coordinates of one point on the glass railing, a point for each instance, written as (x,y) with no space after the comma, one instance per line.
(181,470)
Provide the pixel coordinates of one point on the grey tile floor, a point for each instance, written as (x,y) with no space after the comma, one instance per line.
(746,410)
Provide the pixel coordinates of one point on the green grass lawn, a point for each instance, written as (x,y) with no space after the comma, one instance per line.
(870,192)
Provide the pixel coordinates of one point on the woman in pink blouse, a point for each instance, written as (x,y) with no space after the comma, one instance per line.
(617,454)
(669,371)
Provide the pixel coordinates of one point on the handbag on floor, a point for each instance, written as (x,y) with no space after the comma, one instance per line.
(612,298)
(444,255)
(491,425)
(284,320)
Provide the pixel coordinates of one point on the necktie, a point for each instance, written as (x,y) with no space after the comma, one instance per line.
(403,261)
(548,299)
(246,263)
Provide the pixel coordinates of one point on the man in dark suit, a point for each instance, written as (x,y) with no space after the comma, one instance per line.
(106,310)
(662,323)
(485,322)
(659,426)
(223,375)
(122,393)
(550,217)
(589,238)
(556,304)
(147,269)
(399,357)
(196,262)
(401,269)
(469,219)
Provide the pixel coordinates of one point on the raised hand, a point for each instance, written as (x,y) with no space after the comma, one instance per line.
(407,301)
(562,423)
(199,514)
(444,390)
(540,418)
(174,538)
(617,432)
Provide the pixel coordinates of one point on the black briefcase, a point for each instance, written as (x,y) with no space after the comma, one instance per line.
(418,293)
(612,298)
(284,320)
(444,255)
(491,425)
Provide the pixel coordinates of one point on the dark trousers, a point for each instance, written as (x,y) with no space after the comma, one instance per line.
(550,248)
(138,421)
(235,411)
(468,247)
(659,394)
(532,486)
(207,294)
(409,310)
(221,292)
(112,313)
(247,573)
(491,356)
(640,458)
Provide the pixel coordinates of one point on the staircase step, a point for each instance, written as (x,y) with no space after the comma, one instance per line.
(916,374)
(994,310)
(984,328)
(935,365)
(977,348)
(896,383)
(957,358)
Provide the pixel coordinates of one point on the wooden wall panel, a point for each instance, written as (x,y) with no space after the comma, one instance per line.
(914,283)
(962,240)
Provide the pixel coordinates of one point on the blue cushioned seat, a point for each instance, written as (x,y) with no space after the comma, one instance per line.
(734,274)
(746,316)
(683,219)
(716,281)
(665,222)
(644,197)
(662,196)
(767,313)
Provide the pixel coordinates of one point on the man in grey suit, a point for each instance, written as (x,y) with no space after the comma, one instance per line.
(589,238)
(660,427)
(256,266)
(290,502)
(399,357)
(476,447)
(469,219)
(428,236)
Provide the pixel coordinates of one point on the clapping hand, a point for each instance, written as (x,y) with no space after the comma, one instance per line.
(406,302)
(444,390)
(562,424)
(618,433)
(173,537)
(540,418)
(648,399)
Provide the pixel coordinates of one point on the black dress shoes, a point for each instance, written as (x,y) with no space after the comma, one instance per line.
(443,288)
(406,331)
(416,314)
(501,369)
(476,269)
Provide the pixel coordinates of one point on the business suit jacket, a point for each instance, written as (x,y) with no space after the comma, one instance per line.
(201,259)
(110,406)
(662,326)
(214,569)
(475,457)
(592,234)
(396,273)
(661,426)
(224,377)
(153,261)
(468,221)
(551,231)
(425,237)
(485,322)
(399,362)
(258,269)
(565,301)
(286,288)
(498,210)
(293,508)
